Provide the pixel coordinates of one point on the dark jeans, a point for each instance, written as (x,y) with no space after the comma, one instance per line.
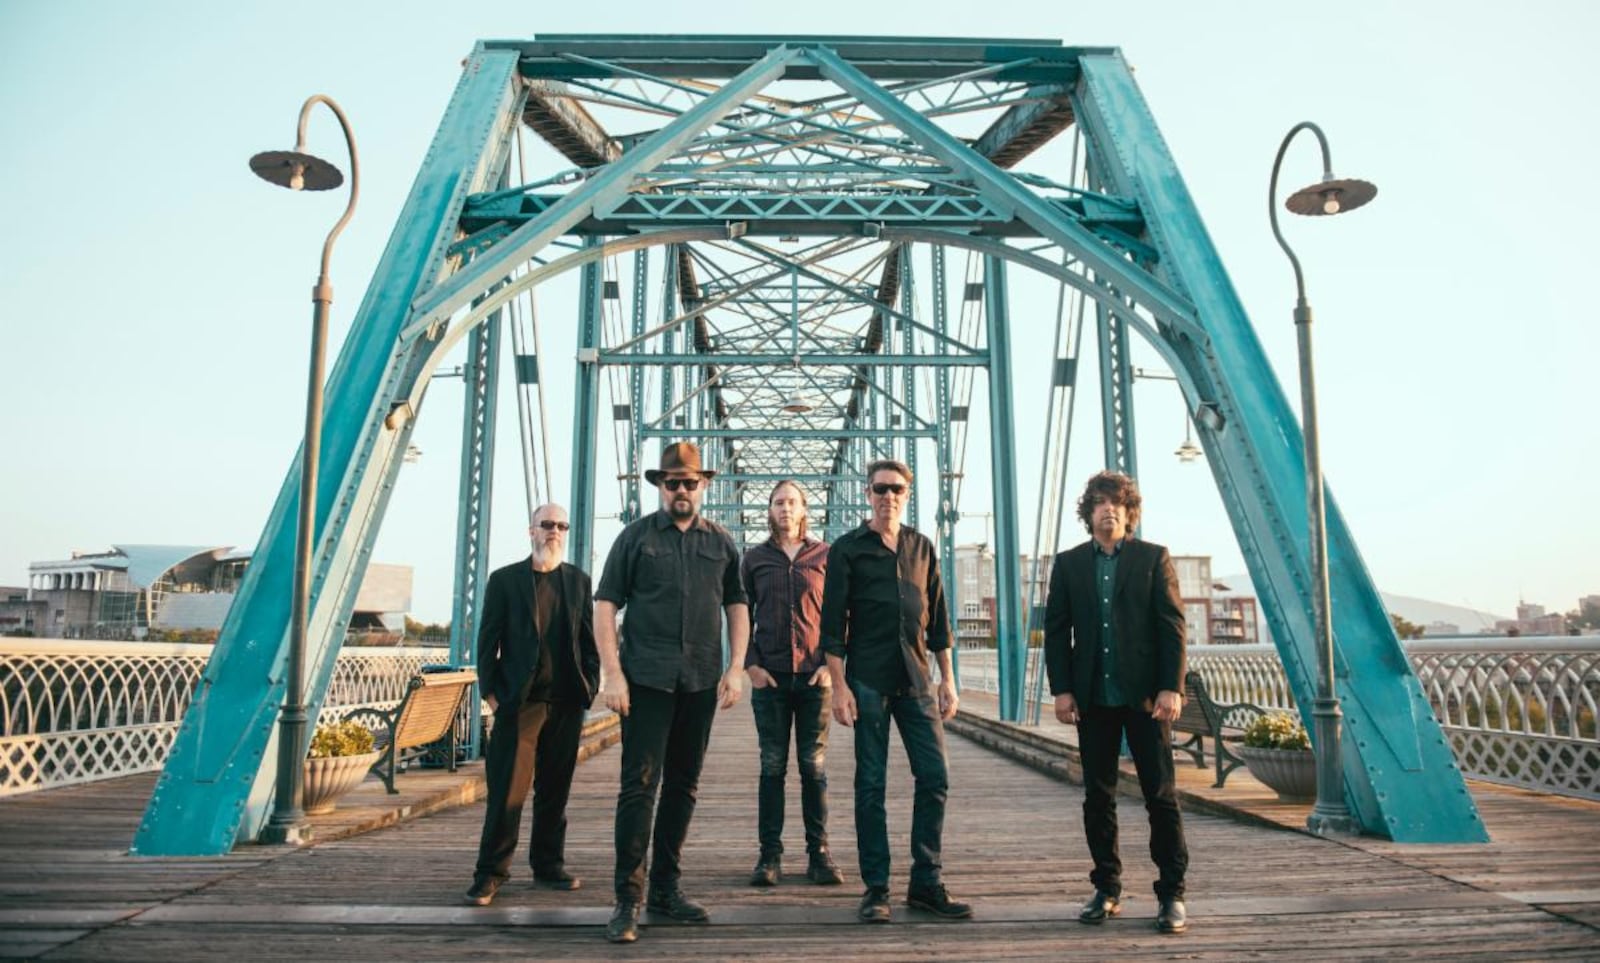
(792,704)
(922,733)
(664,737)
(536,745)
(1100,734)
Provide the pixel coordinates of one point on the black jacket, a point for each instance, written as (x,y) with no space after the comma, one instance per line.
(508,646)
(1147,618)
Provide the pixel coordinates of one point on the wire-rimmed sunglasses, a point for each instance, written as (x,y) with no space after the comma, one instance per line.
(687,484)
(884,488)
(551,525)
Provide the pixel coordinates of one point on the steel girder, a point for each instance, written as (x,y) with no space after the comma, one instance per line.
(1011,626)
(1401,779)
(738,159)
(481,378)
(218,778)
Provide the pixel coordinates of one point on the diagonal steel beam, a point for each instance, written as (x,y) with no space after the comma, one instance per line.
(605,187)
(999,188)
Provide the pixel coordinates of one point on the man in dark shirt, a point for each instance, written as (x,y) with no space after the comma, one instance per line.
(788,681)
(883,611)
(677,574)
(538,670)
(1113,644)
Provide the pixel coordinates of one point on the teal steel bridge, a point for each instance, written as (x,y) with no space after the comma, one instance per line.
(761,232)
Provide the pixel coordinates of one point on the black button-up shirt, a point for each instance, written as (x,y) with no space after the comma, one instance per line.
(883,611)
(673,585)
(785,606)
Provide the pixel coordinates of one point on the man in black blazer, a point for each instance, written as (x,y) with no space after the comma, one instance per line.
(1114,648)
(538,669)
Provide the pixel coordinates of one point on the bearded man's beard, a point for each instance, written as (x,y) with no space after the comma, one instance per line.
(546,554)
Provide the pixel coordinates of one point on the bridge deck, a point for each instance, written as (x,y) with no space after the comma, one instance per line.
(1013,846)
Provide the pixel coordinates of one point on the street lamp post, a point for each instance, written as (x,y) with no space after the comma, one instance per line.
(1330,196)
(298,170)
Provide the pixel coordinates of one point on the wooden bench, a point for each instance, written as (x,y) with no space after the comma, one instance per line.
(1202,717)
(426,717)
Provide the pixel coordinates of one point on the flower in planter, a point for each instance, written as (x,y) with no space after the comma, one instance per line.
(344,738)
(1276,730)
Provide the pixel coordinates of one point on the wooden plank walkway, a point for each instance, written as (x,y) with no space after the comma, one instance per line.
(1013,846)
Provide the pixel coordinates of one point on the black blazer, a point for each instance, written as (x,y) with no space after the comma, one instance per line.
(508,646)
(1147,616)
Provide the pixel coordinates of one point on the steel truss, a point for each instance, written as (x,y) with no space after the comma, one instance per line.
(762,233)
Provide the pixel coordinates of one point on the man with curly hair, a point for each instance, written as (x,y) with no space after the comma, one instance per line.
(1114,649)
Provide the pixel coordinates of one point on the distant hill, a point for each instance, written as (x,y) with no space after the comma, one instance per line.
(1421,611)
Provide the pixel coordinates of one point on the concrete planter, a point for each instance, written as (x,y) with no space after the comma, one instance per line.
(1291,773)
(330,777)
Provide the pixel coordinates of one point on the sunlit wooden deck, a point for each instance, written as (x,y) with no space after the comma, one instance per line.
(1013,846)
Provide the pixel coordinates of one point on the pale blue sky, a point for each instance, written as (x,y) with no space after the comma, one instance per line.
(155,293)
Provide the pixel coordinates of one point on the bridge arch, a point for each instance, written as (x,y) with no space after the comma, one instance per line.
(862,142)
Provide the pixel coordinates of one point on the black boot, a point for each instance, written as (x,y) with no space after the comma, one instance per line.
(769,869)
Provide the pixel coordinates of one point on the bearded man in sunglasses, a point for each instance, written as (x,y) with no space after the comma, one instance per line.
(538,670)
(677,575)
(883,613)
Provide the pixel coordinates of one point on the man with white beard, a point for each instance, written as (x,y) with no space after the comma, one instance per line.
(538,670)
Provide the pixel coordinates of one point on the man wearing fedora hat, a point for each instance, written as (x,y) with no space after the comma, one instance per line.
(677,574)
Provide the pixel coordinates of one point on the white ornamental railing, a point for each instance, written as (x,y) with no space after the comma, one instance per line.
(80,711)
(1516,711)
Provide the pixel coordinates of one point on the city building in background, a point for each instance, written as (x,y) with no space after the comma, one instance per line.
(1216,611)
(1533,620)
(127,592)
(974,596)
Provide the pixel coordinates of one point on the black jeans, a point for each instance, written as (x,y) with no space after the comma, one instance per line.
(1100,734)
(792,704)
(535,745)
(664,737)
(922,733)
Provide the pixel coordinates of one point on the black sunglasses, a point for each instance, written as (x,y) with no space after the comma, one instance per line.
(884,488)
(687,484)
(553,526)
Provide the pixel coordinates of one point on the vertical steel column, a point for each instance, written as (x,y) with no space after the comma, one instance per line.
(631,509)
(947,514)
(908,307)
(481,377)
(586,412)
(676,302)
(1010,627)
(1116,393)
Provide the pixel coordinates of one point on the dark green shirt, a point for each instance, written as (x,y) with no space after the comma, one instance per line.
(1106,690)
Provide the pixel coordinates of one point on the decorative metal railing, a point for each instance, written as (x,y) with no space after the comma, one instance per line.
(80,711)
(1521,712)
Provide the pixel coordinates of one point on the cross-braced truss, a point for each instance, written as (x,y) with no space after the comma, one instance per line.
(795,252)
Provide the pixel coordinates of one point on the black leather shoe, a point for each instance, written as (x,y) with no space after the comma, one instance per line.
(769,869)
(557,879)
(1101,906)
(936,900)
(1173,917)
(822,871)
(672,902)
(624,925)
(482,891)
(874,905)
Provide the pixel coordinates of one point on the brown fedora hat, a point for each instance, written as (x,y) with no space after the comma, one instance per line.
(680,456)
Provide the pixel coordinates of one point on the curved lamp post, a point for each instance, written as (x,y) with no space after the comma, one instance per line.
(298,170)
(1330,196)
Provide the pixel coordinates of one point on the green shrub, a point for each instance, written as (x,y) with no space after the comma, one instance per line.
(1276,730)
(345,738)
